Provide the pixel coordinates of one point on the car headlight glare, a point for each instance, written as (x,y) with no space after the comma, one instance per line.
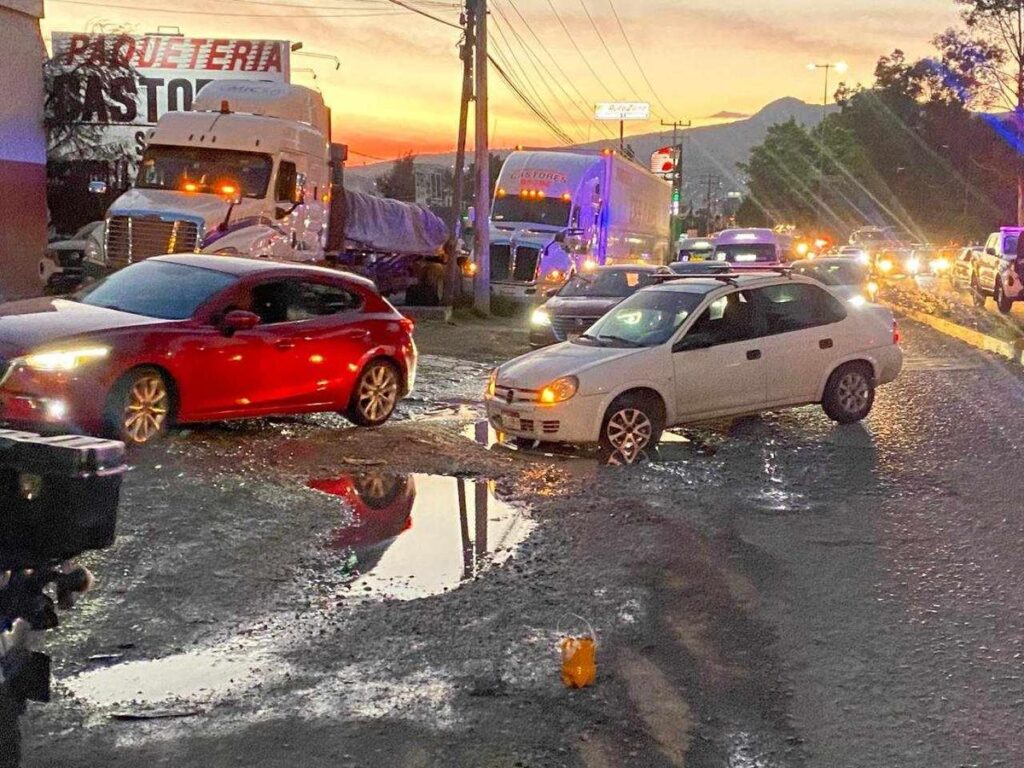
(872,288)
(559,390)
(885,265)
(913,264)
(540,317)
(64,359)
(858,300)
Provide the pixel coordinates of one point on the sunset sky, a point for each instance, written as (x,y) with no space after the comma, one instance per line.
(398,86)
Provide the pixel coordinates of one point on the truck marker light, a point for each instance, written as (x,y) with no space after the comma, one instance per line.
(566,197)
(189,186)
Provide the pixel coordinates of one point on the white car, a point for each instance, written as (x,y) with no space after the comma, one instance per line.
(695,349)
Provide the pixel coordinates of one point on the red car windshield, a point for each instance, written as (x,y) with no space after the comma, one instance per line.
(158,289)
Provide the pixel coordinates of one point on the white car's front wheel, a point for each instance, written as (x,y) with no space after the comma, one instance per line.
(632,424)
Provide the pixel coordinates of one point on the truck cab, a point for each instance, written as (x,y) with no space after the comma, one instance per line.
(247,173)
(997,270)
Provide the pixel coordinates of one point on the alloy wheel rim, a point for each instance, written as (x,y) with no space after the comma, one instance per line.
(629,431)
(854,392)
(145,413)
(378,393)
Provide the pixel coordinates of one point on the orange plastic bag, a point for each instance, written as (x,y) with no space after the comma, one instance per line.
(579,660)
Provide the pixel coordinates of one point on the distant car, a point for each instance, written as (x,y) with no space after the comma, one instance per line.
(695,249)
(847,278)
(581,301)
(66,263)
(749,248)
(997,271)
(696,349)
(854,252)
(191,338)
(961,271)
(900,262)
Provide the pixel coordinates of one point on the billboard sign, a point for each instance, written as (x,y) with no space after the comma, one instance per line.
(167,71)
(623,110)
(663,162)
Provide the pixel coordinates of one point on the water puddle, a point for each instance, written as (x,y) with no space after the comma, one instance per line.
(198,676)
(414,536)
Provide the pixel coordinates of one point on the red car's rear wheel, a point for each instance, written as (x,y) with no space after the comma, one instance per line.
(376,394)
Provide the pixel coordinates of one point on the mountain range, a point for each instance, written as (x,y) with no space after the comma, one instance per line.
(710,153)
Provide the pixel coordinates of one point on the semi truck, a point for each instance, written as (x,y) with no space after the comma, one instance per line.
(251,171)
(556,213)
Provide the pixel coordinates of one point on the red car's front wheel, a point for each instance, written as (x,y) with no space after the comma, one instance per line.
(139,410)
(376,394)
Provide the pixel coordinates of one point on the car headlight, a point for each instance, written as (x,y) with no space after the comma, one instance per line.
(872,288)
(492,382)
(63,359)
(92,252)
(913,264)
(885,265)
(559,390)
(940,265)
(540,316)
(858,300)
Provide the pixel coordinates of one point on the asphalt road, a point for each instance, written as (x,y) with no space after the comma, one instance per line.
(775,592)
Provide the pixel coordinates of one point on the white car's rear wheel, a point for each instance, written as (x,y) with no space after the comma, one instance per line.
(850,393)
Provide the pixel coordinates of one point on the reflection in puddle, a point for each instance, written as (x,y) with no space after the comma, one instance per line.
(419,535)
(194,676)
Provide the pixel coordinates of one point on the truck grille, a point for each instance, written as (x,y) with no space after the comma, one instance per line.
(526,265)
(134,238)
(501,262)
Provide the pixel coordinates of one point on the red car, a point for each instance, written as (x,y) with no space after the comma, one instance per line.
(192,338)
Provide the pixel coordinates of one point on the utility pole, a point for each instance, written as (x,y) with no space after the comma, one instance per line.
(709,214)
(482,248)
(841,68)
(677,177)
(451,285)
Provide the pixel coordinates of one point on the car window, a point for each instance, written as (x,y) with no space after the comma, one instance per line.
(795,306)
(289,301)
(728,320)
(157,289)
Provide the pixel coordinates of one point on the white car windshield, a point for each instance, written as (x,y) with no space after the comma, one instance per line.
(646,319)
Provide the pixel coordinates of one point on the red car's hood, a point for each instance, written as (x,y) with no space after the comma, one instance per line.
(27,324)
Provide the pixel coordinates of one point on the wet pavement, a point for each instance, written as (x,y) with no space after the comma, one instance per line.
(771,592)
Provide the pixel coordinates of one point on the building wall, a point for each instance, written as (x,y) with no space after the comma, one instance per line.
(22,147)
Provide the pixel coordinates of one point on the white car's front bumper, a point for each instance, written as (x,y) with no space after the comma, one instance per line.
(577,420)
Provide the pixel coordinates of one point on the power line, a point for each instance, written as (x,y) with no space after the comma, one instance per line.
(355,14)
(423,13)
(587,113)
(608,50)
(512,62)
(555,130)
(545,77)
(583,57)
(636,60)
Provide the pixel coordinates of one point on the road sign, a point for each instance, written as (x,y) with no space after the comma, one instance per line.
(623,110)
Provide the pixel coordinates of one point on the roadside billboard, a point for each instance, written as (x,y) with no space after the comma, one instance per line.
(166,72)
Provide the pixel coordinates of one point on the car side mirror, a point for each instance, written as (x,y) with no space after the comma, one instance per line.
(97,187)
(238,320)
(990,251)
(551,292)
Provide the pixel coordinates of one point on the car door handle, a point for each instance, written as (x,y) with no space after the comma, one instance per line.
(825,344)
(284,346)
(754,354)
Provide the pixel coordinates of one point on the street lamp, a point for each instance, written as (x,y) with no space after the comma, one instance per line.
(839,66)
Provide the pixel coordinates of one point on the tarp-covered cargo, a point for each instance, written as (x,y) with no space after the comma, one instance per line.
(386,226)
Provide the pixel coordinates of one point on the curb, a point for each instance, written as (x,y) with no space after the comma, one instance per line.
(1010,350)
(441,314)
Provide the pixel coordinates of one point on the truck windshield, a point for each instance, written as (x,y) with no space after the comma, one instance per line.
(552,211)
(199,169)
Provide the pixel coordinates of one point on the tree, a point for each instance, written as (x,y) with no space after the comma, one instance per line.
(999,24)
(400,182)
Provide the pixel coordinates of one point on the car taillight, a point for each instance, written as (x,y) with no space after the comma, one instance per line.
(897,337)
(408,324)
